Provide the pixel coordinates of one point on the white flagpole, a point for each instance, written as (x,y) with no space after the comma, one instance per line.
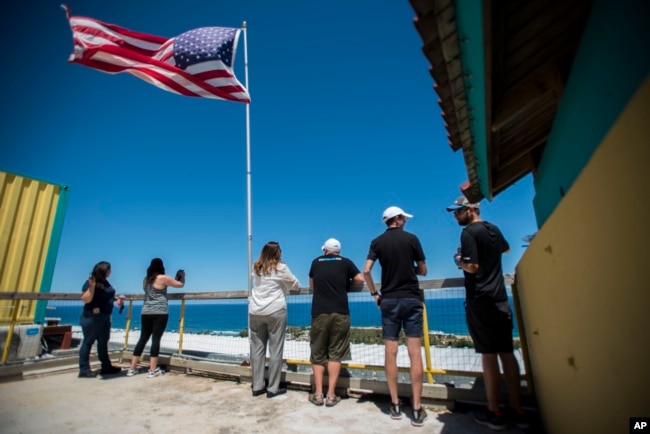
(248,167)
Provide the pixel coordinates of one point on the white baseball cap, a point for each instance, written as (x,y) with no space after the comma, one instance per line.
(394,211)
(333,245)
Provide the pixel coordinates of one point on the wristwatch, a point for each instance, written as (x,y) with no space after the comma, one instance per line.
(374,293)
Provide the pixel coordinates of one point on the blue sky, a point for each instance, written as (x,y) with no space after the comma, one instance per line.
(344,123)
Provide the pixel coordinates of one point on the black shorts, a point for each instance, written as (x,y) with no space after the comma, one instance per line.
(490,325)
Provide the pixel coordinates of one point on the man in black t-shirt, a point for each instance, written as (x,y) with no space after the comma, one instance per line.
(489,317)
(330,277)
(402,259)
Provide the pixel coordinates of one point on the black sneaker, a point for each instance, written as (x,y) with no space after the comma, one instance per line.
(112,370)
(492,419)
(419,416)
(519,418)
(395,410)
(87,374)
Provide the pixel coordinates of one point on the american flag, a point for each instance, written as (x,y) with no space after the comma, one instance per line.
(196,63)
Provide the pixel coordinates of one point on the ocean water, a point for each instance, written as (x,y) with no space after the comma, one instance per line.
(445,314)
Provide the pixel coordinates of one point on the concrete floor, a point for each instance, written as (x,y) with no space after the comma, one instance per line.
(62,403)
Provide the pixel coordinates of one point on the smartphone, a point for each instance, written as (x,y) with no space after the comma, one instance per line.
(180,274)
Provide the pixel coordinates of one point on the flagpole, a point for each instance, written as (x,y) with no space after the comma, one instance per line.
(248,167)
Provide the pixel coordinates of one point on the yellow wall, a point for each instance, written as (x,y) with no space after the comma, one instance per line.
(28,209)
(584,285)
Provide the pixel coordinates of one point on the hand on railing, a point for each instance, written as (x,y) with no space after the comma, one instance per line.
(120,302)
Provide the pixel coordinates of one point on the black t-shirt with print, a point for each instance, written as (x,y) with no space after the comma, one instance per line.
(332,275)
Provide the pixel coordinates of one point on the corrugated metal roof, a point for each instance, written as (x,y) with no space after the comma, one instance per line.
(31,219)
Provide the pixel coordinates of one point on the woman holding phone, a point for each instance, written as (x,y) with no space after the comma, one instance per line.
(155,314)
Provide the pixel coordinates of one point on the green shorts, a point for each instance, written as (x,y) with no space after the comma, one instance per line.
(330,338)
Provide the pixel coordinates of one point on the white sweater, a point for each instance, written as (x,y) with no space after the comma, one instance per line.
(267,295)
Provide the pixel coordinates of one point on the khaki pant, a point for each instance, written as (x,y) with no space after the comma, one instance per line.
(267,331)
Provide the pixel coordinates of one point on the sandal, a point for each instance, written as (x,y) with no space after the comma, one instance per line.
(331,401)
(316,399)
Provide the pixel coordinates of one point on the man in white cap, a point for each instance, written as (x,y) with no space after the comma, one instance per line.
(489,317)
(402,259)
(331,277)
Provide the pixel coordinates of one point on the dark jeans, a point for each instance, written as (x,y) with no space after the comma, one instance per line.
(95,327)
(151,325)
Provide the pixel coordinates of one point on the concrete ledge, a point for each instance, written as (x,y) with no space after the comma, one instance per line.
(434,395)
(51,365)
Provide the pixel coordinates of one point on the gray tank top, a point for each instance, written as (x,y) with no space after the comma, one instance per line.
(155,301)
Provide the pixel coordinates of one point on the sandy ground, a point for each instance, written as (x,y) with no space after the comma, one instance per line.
(180,403)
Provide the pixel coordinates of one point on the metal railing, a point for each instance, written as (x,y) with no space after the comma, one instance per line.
(213,326)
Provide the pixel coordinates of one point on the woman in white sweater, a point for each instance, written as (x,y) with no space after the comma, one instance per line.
(267,313)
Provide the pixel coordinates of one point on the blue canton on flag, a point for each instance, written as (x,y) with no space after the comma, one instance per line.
(204,44)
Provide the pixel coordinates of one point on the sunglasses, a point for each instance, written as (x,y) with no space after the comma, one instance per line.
(459,210)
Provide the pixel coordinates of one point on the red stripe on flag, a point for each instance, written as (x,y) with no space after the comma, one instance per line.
(114,49)
(107,59)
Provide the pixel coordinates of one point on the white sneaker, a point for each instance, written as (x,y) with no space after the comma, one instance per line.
(155,373)
(131,372)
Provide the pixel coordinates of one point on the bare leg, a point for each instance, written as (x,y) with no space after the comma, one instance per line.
(153,363)
(414,346)
(134,362)
(390,367)
(319,372)
(333,370)
(492,378)
(513,379)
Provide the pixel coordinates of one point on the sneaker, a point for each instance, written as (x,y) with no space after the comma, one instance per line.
(492,419)
(395,410)
(519,418)
(111,370)
(419,416)
(87,374)
(155,373)
(131,372)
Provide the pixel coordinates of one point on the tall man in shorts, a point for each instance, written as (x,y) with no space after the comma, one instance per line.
(330,277)
(402,259)
(488,313)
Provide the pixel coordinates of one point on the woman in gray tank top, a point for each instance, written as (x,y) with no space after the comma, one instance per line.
(155,313)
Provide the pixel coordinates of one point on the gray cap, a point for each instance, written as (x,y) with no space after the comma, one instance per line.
(462,202)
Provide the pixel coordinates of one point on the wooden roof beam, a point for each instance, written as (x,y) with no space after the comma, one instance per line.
(517,101)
